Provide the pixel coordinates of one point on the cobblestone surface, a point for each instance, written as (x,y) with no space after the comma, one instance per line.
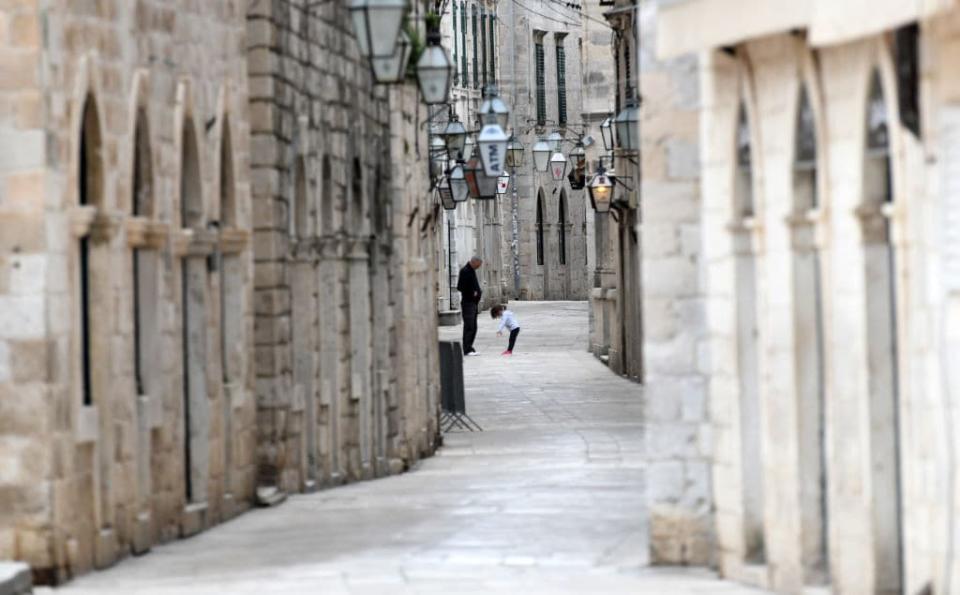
(548,499)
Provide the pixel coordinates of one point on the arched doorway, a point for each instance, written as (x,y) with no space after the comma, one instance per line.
(882,358)
(193,272)
(808,321)
(541,247)
(144,281)
(303,285)
(92,340)
(328,317)
(751,427)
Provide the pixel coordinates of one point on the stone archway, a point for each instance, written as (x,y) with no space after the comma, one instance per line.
(809,354)
(303,286)
(747,343)
(193,280)
(883,370)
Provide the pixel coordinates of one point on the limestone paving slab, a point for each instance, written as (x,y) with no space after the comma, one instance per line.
(549,499)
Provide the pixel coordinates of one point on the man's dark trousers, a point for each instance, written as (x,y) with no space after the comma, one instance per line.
(469,312)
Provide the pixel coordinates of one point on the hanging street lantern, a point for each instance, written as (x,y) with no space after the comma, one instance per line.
(434,70)
(376,24)
(468,146)
(493,110)
(555,140)
(578,167)
(455,135)
(458,183)
(601,191)
(606,131)
(627,125)
(541,155)
(558,166)
(393,69)
(438,156)
(482,186)
(503,184)
(493,149)
(515,152)
(446,194)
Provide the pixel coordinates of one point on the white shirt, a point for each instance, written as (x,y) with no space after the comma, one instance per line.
(508,321)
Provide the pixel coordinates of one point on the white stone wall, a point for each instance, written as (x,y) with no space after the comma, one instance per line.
(678,436)
(859,419)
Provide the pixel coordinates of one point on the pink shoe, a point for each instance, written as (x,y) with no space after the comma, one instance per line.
(507,352)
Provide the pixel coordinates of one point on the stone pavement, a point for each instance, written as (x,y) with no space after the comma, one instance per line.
(548,499)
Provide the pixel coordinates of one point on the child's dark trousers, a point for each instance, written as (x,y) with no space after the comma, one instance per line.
(513,338)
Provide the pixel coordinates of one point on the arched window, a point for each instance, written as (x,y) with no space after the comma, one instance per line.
(562,227)
(326,206)
(90,193)
(743,191)
(144,289)
(356,206)
(540,228)
(228,205)
(301,216)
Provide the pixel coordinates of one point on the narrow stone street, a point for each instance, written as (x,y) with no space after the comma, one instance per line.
(547,499)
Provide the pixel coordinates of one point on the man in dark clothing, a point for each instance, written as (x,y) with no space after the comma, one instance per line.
(469,287)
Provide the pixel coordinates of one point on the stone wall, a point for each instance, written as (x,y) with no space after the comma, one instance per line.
(344,230)
(124,207)
(678,441)
(830,313)
(206,282)
(553,277)
(474,228)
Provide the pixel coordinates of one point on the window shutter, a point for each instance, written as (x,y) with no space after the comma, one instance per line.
(456,63)
(493,49)
(483,42)
(561,85)
(463,44)
(476,63)
(541,86)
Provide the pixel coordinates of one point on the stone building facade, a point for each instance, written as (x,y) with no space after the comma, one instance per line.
(829,151)
(471,33)
(616,318)
(541,47)
(345,246)
(126,387)
(206,277)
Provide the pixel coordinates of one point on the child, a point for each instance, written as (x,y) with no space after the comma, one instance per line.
(508,321)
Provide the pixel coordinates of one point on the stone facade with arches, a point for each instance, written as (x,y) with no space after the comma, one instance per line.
(207,273)
(127,389)
(828,260)
(345,235)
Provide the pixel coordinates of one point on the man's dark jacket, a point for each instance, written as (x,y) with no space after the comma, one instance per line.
(468,285)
